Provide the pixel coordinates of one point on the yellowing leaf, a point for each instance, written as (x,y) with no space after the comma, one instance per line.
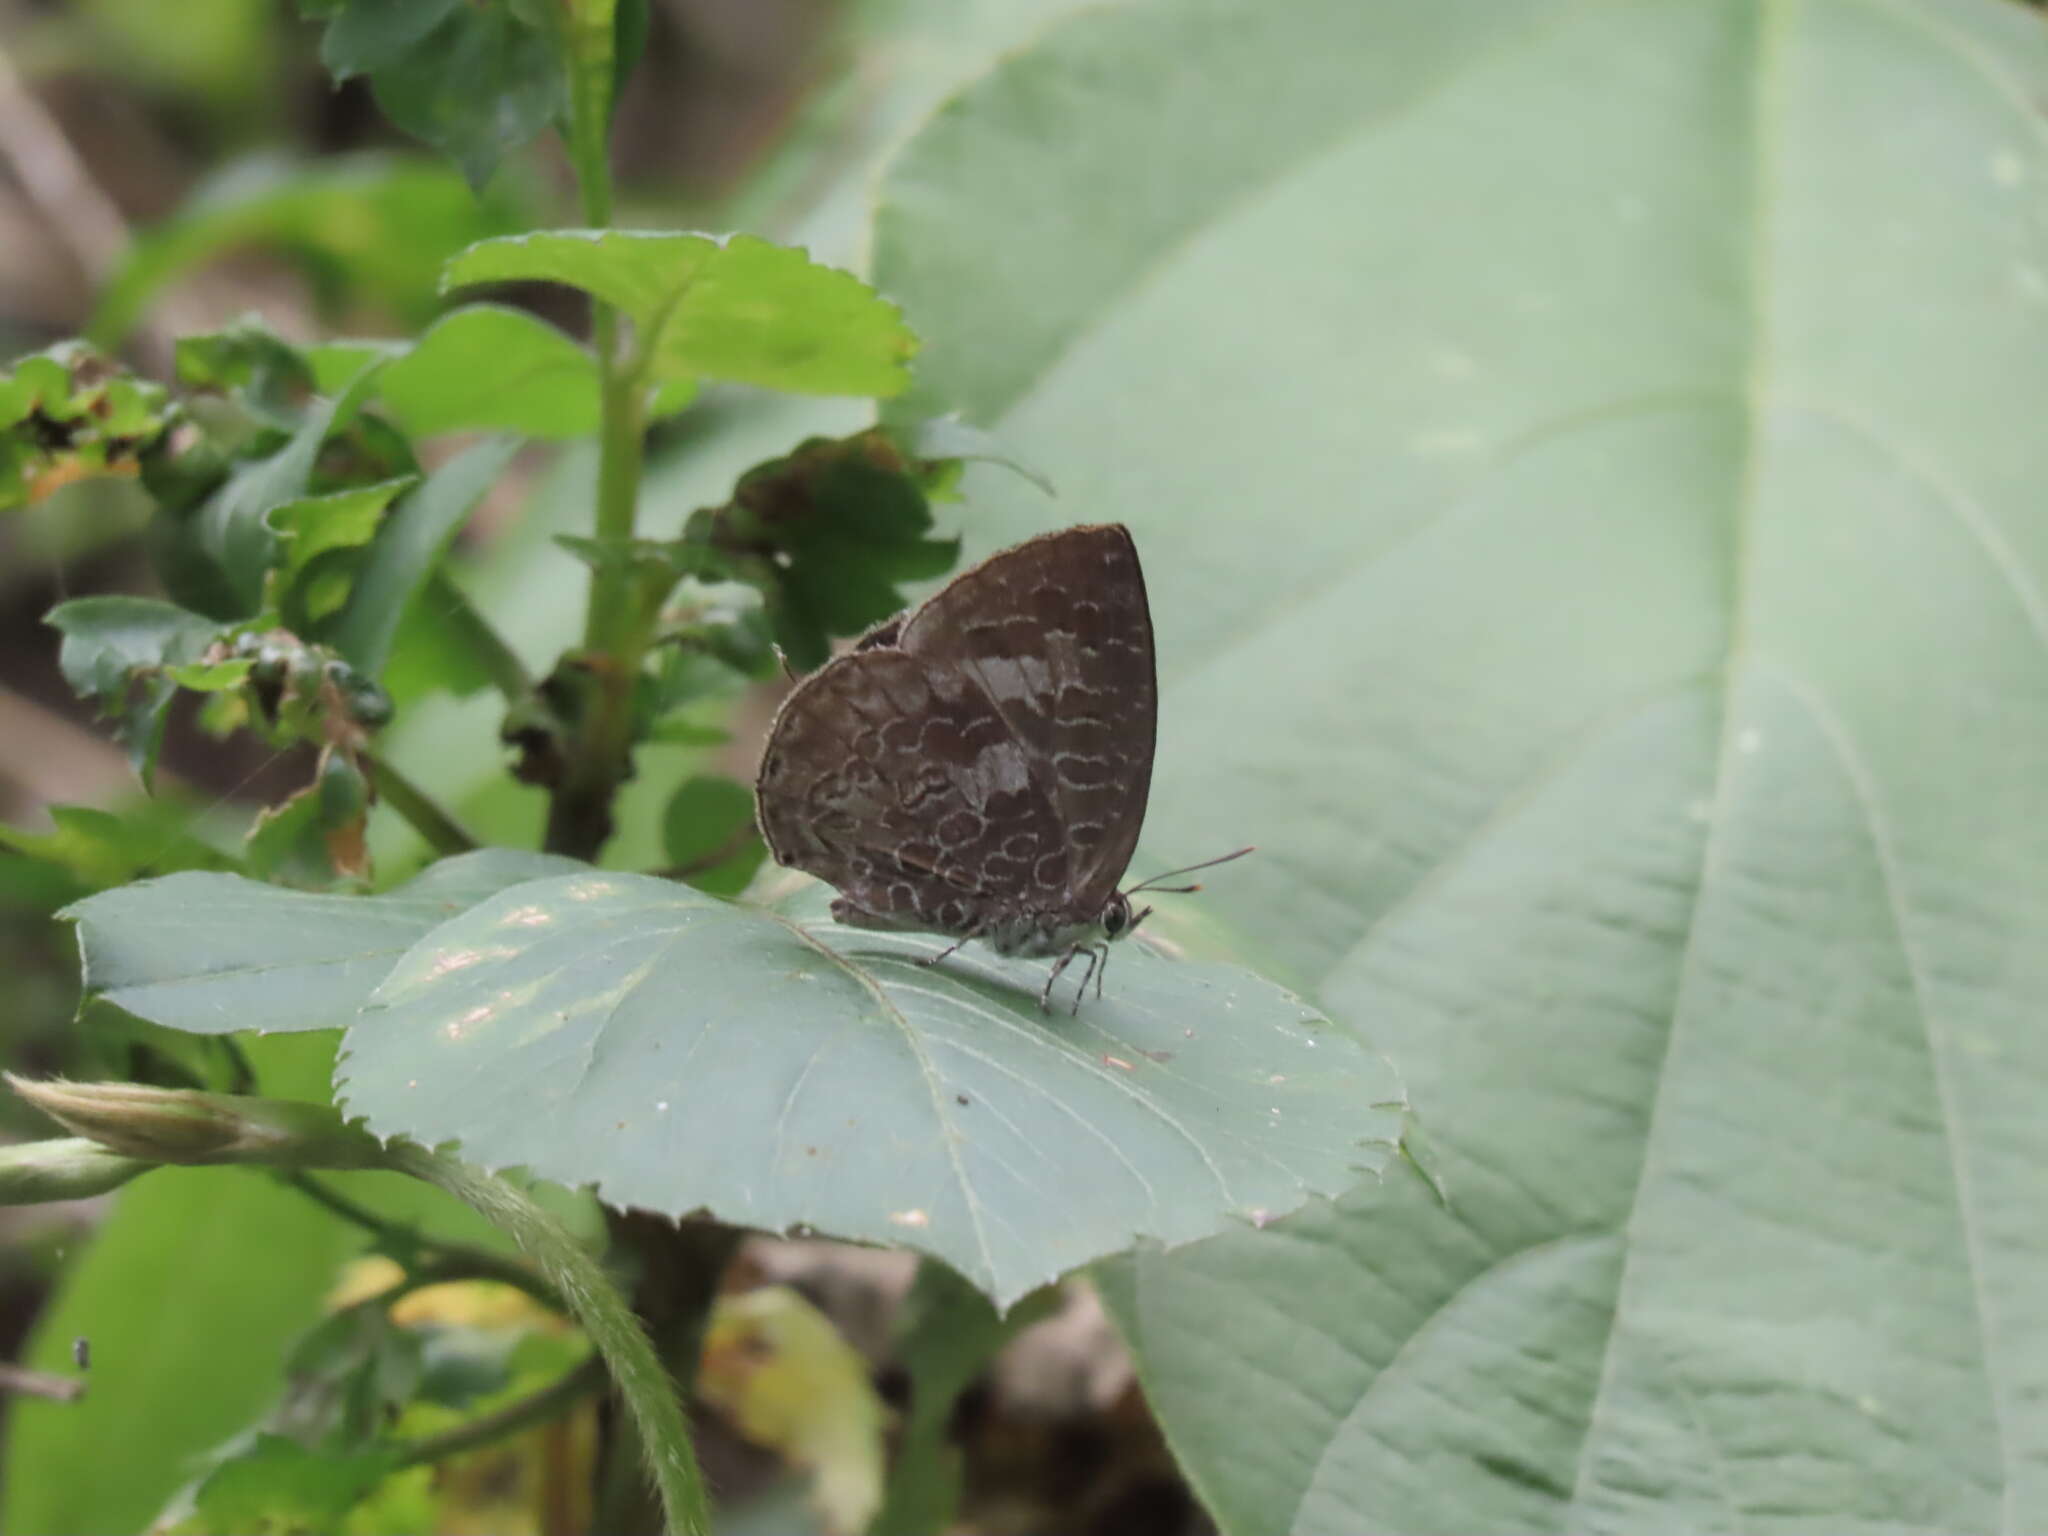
(779,1370)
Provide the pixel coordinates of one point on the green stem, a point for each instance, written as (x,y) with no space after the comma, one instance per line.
(548,1403)
(480,637)
(444,834)
(948,1334)
(678,1267)
(616,628)
(612,615)
(649,1394)
(438,1261)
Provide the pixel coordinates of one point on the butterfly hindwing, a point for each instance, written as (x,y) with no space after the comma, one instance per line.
(900,784)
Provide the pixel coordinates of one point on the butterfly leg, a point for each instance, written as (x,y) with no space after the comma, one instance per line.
(1045,995)
(1097,959)
(966,938)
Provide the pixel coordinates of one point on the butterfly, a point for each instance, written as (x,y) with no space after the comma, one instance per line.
(979,767)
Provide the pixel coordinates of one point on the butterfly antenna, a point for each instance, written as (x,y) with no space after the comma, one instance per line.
(1181,890)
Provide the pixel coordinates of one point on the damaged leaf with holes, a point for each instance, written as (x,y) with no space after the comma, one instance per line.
(829,535)
(69,414)
(263,438)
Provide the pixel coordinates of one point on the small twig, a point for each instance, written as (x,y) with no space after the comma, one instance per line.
(241,1070)
(546,1404)
(444,834)
(27,1383)
(735,841)
(80,213)
(441,1262)
(487,647)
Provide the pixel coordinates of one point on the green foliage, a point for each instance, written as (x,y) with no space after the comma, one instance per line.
(100,849)
(274,1484)
(361,228)
(67,414)
(406,549)
(1207,1095)
(183,1238)
(489,368)
(741,309)
(277,960)
(709,836)
(829,534)
(474,81)
(119,651)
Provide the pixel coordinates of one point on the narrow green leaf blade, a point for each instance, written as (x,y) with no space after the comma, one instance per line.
(408,546)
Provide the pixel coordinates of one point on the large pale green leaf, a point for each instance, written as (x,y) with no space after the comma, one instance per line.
(1588,464)
(214,953)
(680,1052)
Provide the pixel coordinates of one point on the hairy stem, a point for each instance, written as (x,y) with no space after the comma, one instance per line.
(646,1388)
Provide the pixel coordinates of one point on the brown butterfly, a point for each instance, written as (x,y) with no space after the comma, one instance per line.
(979,768)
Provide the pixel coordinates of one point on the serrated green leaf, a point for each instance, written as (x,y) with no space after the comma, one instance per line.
(109,639)
(316,526)
(210,676)
(829,533)
(411,541)
(216,953)
(364,36)
(483,83)
(234,526)
(488,368)
(116,650)
(70,414)
(744,310)
(679,1051)
(287,844)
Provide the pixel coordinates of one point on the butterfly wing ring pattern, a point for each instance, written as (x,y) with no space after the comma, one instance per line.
(980,768)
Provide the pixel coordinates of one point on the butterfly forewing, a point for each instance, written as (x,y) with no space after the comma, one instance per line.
(981,766)
(1059,636)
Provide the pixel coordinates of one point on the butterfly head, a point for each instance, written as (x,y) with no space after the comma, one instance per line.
(1118,919)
